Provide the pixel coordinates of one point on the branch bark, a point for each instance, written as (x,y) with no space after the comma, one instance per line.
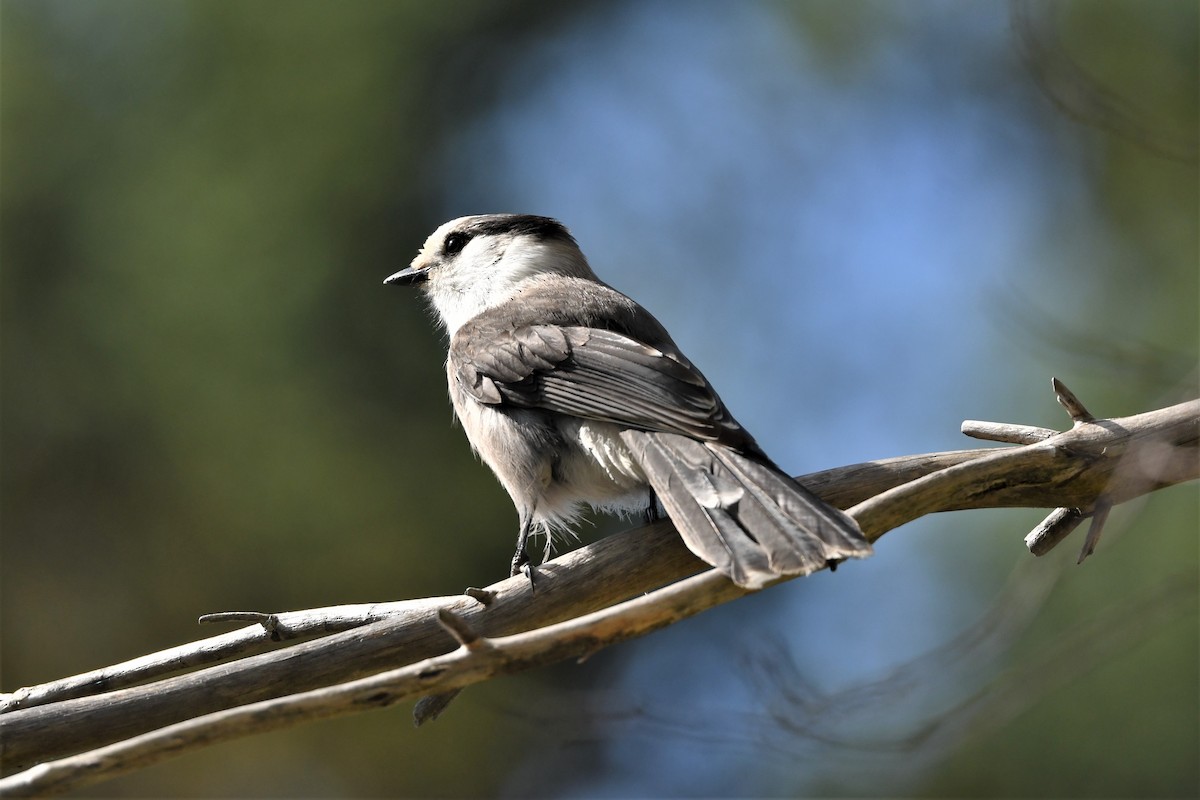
(572,613)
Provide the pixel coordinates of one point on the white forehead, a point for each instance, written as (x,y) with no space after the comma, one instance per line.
(434,242)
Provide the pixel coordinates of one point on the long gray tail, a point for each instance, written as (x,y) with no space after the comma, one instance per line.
(742,516)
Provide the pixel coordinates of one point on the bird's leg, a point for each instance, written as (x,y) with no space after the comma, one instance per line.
(652,514)
(520,559)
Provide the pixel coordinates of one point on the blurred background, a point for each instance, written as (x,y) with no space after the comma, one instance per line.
(865,221)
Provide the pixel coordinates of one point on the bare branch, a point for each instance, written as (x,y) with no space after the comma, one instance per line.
(256,638)
(1006,432)
(1107,461)
(1067,399)
(1053,529)
(1117,458)
(470,663)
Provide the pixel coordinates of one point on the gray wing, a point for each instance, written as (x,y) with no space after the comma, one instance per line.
(596,374)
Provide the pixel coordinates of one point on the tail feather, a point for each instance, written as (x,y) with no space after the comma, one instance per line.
(830,531)
(743,516)
(698,501)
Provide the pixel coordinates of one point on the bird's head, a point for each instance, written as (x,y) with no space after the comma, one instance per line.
(471,264)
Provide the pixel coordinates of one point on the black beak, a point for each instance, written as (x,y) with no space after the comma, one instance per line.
(407,277)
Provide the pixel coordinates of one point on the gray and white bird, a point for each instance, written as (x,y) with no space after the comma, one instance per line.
(574,394)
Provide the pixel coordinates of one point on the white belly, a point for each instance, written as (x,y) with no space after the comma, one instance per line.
(551,464)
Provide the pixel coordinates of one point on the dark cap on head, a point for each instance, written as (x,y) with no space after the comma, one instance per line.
(522,225)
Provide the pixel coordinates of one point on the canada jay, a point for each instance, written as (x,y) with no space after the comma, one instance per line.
(573,393)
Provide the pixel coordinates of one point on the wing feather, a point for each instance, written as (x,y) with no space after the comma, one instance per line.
(595,374)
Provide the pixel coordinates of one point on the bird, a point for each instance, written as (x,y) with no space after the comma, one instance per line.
(575,395)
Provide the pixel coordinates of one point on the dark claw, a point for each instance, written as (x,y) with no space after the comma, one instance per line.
(530,571)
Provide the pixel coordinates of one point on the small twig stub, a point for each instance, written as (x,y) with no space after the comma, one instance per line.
(1053,529)
(1067,399)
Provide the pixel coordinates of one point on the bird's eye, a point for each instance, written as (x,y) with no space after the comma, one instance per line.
(454,243)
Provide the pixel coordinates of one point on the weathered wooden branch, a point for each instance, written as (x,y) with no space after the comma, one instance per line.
(581,604)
